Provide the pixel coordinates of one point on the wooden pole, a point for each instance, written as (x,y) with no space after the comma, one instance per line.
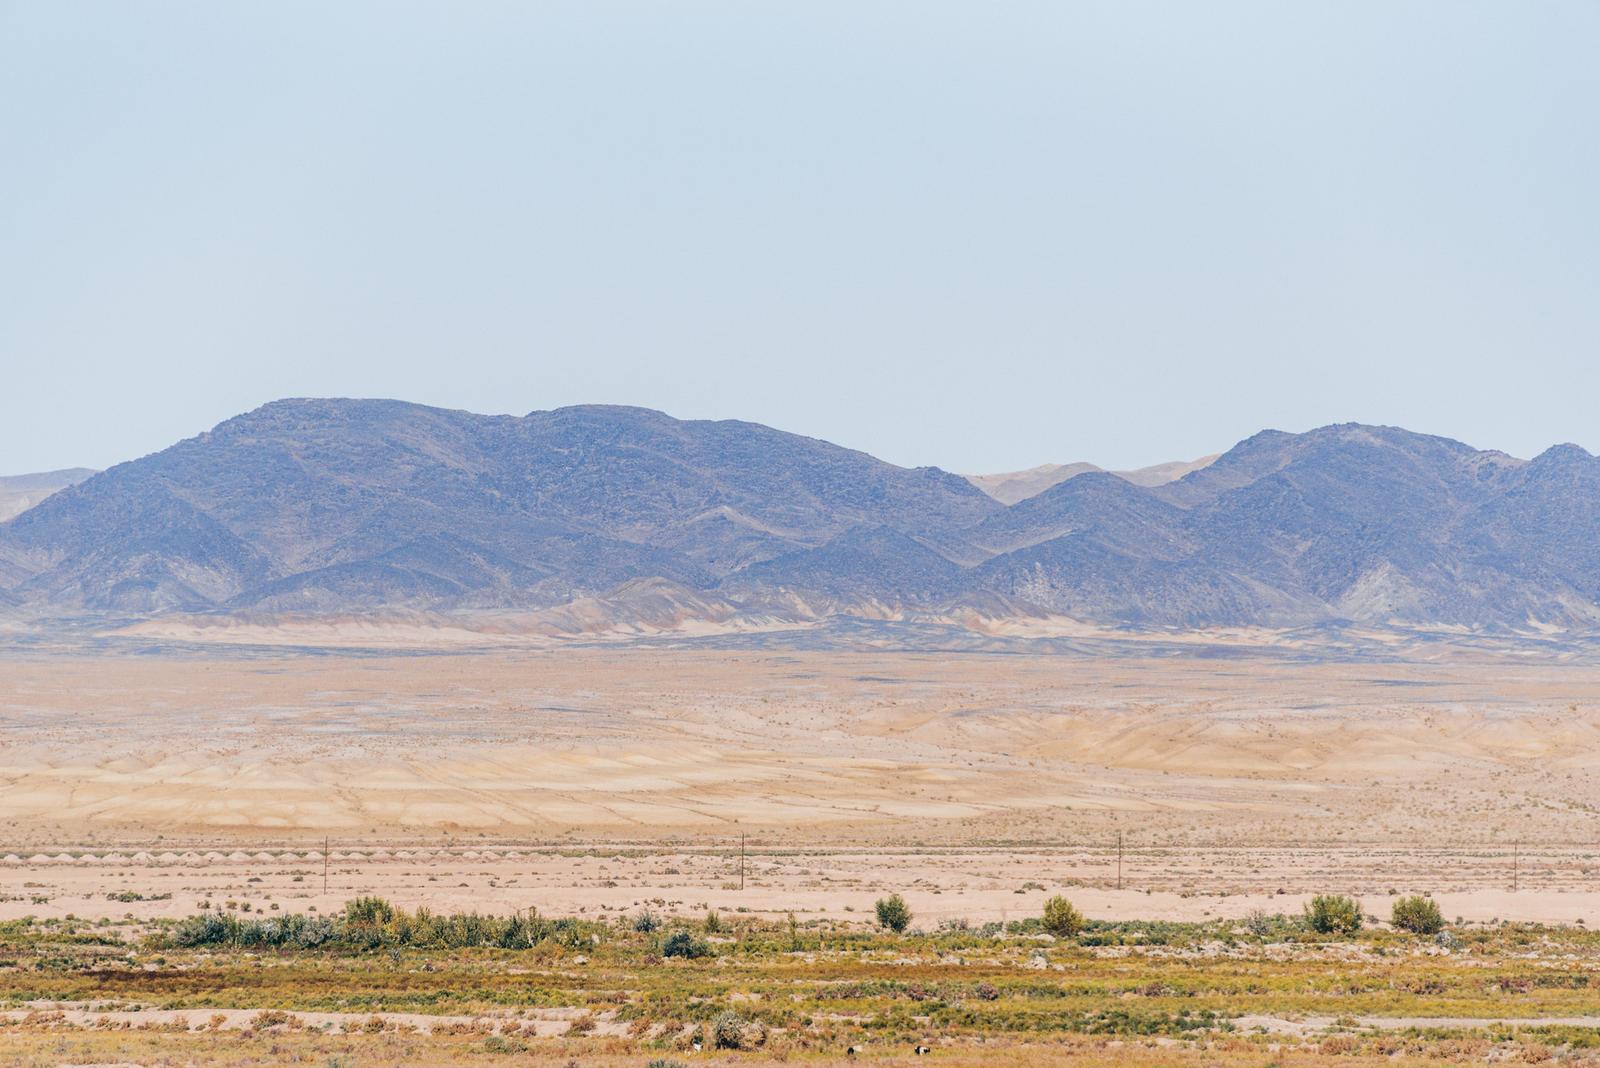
(741,860)
(324,866)
(1516,850)
(1119,860)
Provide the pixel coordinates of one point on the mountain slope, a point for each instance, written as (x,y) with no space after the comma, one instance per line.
(1171,471)
(1110,509)
(1350,522)
(1009,487)
(1013,487)
(18,493)
(597,513)
(863,565)
(305,504)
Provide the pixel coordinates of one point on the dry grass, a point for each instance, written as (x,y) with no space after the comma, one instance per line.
(1137,994)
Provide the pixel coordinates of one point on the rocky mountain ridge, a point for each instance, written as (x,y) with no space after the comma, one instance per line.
(343,507)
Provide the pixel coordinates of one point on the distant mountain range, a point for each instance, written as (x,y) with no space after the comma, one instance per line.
(348,507)
(18,493)
(1013,486)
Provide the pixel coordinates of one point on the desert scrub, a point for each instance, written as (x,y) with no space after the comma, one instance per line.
(220,929)
(1141,932)
(1061,919)
(893,913)
(1333,914)
(731,1031)
(853,981)
(374,924)
(681,943)
(371,911)
(1139,990)
(1417,914)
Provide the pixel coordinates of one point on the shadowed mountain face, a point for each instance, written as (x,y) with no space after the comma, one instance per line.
(339,507)
(342,505)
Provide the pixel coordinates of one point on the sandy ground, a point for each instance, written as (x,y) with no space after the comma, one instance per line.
(1232,776)
(551,1023)
(530,1023)
(973,885)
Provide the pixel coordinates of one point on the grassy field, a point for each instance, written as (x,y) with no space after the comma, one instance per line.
(378,985)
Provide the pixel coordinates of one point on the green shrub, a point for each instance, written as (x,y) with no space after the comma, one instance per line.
(1333,914)
(209,929)
(1061,919)
(371,910)
(681,943)
(713,922)
(1418,914)
(646,921)
(523,931)
(372,923)
(893,913)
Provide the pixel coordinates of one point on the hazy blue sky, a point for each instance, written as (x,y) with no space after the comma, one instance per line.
(979,235)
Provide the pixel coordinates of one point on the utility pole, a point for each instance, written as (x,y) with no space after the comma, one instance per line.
(1119,860)
(741,860)
(1516,850)
(324,866)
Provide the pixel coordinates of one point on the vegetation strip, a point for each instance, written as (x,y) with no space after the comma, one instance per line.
(661,984)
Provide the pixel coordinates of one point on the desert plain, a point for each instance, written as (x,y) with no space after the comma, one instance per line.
(600,777)
(646,852)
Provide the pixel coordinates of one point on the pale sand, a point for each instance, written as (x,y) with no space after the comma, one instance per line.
(975,885)
(1355,773)
(551,1023)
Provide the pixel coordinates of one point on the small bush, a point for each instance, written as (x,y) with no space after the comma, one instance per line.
(646,922)
(727,1031)
(683,944)
(794,932)
(1333,914)
(1061,919)
(893,913)
(372,910)
(1417,914)
(713,922)
(207,930)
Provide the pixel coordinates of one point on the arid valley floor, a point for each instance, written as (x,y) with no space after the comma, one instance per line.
(139,787)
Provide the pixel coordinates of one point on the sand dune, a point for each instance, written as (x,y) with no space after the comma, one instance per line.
(863,746)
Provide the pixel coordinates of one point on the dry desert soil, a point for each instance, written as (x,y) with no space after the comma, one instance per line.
(599,778)
(157,803)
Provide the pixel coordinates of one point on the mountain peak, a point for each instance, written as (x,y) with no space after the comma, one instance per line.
(1564,454)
